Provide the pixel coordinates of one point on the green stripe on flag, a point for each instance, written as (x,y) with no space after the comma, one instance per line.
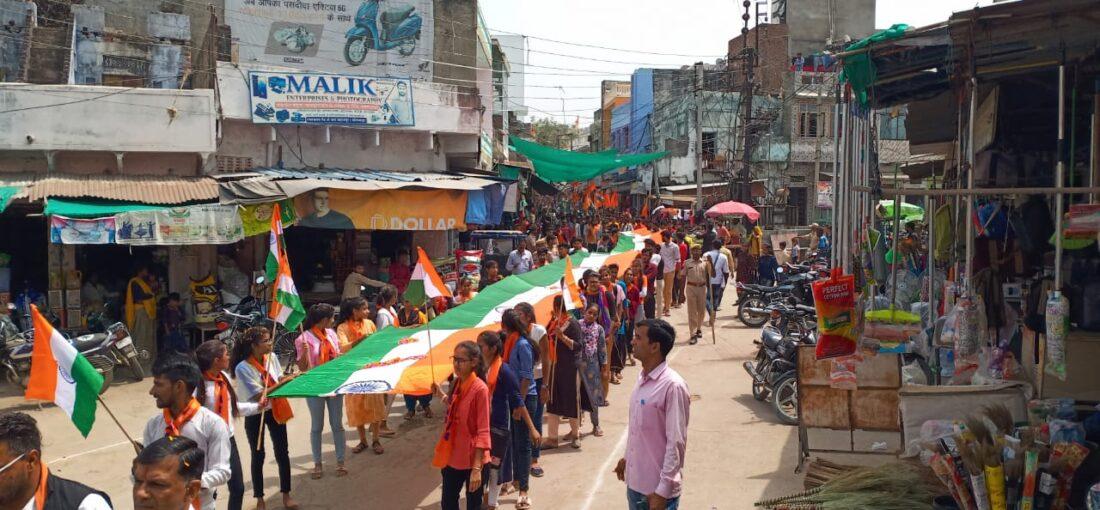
(88,384)
(294,303)
(414,292)
(326,378)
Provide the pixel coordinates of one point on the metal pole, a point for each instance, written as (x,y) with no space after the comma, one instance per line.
(698,135)
(969,262)
(1059,180)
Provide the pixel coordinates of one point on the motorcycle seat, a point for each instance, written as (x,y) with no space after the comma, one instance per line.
(397,15)
(806,309)
(771,338)
(85,342)
(759,288)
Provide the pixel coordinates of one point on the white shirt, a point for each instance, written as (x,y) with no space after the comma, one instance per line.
(212,435)
(385,317)
(90,502)
(243,408)
(537,332)
(519,264)
(721,267)
(670,253)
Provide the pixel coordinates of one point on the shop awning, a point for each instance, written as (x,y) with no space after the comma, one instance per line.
(155,190)
(6,192)
(93,208)
(270,184)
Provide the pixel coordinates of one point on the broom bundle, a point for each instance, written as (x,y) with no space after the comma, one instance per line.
(890,487)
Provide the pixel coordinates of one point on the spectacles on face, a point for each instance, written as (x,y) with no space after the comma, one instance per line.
(12,463)
(456,360)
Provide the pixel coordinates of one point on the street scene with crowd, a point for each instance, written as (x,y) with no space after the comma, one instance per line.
(489,254)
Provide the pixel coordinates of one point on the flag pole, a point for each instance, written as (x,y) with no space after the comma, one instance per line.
(135,444)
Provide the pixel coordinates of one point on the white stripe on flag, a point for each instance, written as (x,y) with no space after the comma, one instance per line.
(65,354)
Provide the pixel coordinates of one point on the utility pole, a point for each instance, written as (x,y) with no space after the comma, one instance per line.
(749,55)
(699,136)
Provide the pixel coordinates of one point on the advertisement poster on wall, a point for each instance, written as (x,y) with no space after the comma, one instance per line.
(197,224)
(365,37)
(82,231)
(309,98)
(382,210)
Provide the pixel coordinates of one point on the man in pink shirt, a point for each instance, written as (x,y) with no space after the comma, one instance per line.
(657,431)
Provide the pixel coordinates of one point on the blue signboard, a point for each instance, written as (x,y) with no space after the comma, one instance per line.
(332,99)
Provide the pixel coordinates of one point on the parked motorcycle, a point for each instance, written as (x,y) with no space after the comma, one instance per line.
(119,346)
(399,28)
(753,300)
(15,357)
(774,369)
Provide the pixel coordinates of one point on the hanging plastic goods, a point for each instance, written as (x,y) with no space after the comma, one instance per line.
(468,264)
(834,300)
(1057,331)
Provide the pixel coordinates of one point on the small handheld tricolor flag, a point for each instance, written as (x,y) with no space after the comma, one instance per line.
(286,306)
(61,375)
(571,294)
(425,282)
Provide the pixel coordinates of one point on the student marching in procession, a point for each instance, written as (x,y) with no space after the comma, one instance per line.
(362,410)
(316,346)
(257,371)
(217,394)
(175,379)
(465,439)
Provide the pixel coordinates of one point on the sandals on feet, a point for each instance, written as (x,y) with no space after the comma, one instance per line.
(377,448)
(537,472)
(317,473)
(341,471)
(428,412)
(359,448)
(523,503)
(597,432)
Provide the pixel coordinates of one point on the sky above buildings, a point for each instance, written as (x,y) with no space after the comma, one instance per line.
(575,44)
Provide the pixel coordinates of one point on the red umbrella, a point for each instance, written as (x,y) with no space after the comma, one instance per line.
(732,208)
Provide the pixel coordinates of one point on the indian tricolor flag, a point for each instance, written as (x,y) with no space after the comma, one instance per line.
(61,375)
(286,305)
(571,294)
(409,360)
(425,283)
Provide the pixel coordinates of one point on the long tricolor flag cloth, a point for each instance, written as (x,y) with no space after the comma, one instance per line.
(396,360)
(61,375)
(286,305)
(425,282)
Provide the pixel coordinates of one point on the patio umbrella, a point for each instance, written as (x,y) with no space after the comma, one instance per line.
(732,208)
(909,212)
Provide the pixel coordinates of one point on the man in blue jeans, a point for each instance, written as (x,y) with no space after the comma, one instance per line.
(657,430)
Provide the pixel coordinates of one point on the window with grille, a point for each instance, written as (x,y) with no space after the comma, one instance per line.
(811,122)
(230,164)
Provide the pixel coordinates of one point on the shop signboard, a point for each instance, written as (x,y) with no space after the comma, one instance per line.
(196,224)
(371,37)
(82,231)
(382,210)
(330,99)
(825,194)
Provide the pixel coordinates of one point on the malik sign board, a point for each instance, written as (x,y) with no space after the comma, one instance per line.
(332,99)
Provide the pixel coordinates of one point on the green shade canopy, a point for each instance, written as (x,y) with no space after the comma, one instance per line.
(94,209)
(556,165)
(6,192)
(909,212)
(859,70)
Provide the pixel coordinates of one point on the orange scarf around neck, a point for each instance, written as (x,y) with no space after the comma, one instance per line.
(280,407)
(493,374)
(40,493)
(174,424)
(510,343)
(446,443)
(553,329)
(325,352)
(222,401)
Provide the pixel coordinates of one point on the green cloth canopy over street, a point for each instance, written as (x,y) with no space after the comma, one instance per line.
(909,212)
(556,165)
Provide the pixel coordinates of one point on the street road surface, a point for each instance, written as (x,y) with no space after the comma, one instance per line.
(737,452)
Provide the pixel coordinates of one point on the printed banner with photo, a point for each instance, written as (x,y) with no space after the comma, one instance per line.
(82,231)
(256,218)
(366,37)
(196,224)
(825,194)
(382,210)
(304,98)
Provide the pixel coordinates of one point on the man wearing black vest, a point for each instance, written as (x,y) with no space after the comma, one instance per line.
(25,481)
